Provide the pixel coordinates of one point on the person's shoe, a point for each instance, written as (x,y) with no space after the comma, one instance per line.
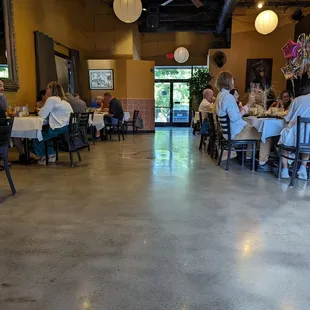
(42,161)
(23,158)
(302,173)
(264,168)
(52,159)
(285,174)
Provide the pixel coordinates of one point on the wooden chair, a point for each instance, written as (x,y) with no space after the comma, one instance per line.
(6,125)
(132,122)
(229,144)
(203,136)
(70,140)
(119,127)
(212,134)
(302,147)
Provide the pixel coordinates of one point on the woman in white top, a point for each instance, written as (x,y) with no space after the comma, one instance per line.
(56,111)
(240,130)
(299,107)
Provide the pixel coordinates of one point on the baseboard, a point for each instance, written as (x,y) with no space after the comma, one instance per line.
(141,131)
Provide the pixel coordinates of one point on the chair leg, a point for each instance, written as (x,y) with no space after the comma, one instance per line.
(71,159)
(228,158)
(220,157)
(8,173)
(57,150)
(242,155)
(280,165)
(123,132)
(111,132)
(253,157)
(46,152)
(79,155)
(118,133)
(201,142)
(293,177)
(92,132)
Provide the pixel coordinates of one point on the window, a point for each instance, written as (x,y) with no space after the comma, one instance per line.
(175,73)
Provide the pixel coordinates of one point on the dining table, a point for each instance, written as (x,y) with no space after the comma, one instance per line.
(98,119)
(268,126)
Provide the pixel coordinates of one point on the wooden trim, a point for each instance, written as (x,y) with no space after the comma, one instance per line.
(12,83)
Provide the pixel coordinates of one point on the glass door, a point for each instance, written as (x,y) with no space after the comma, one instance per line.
(180,103)
(162,103)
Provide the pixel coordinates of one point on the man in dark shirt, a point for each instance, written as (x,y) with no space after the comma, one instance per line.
(116,112)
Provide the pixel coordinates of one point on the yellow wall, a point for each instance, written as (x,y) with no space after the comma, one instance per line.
(61,20)
(156,45)
(132,78)
(140,79)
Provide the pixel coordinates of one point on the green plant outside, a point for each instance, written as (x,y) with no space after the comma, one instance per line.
(198,83)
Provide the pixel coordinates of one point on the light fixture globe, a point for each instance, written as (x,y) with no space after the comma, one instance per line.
(181,55)
(128,11)
(266,22)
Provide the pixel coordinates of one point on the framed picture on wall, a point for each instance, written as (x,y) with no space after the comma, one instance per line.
(258,73)
(101,79)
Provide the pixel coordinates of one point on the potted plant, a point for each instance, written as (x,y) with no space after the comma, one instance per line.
(198,83)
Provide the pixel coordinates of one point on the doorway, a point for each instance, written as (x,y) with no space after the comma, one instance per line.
(172,103)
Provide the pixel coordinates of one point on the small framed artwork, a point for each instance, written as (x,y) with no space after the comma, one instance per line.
(101,79)
(258,72)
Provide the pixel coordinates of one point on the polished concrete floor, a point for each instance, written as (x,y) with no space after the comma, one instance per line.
(152,223)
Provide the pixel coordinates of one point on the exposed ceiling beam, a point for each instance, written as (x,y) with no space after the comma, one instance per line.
(228,7)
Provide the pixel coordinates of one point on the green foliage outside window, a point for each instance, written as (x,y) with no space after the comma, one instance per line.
(198,83)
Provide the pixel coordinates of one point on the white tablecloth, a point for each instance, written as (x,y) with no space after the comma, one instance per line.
(269,127)
(99,119)
(27,127)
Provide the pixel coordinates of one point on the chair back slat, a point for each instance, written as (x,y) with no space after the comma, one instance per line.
(84,119)
(224,123)
(211,125)
(303,134)
(135,114)
(6,125)
(74,123)
(200,118)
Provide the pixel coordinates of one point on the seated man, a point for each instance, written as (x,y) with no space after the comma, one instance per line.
(206,104)
(299,107)
(116,112)
(77,104)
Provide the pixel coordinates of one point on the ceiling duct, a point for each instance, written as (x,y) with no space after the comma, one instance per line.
(227,10)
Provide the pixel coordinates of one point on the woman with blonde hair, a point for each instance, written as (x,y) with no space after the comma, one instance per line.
(240,130)
(56,113)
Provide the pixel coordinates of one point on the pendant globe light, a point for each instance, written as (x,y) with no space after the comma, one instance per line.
(128,11)
(266,22)
(181,55)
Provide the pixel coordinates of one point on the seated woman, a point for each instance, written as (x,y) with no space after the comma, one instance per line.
(284,101)
(56,111)
(41,99)
(239,128)
(236,95)
(97,103)
(299,107)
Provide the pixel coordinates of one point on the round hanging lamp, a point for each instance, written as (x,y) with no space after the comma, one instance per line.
(266,22)
(128,11)
(181,55)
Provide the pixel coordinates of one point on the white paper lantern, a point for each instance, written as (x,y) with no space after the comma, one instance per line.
(128,11)
(266,22)
(181,55)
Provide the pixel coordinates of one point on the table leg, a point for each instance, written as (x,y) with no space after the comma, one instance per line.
(27,152)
